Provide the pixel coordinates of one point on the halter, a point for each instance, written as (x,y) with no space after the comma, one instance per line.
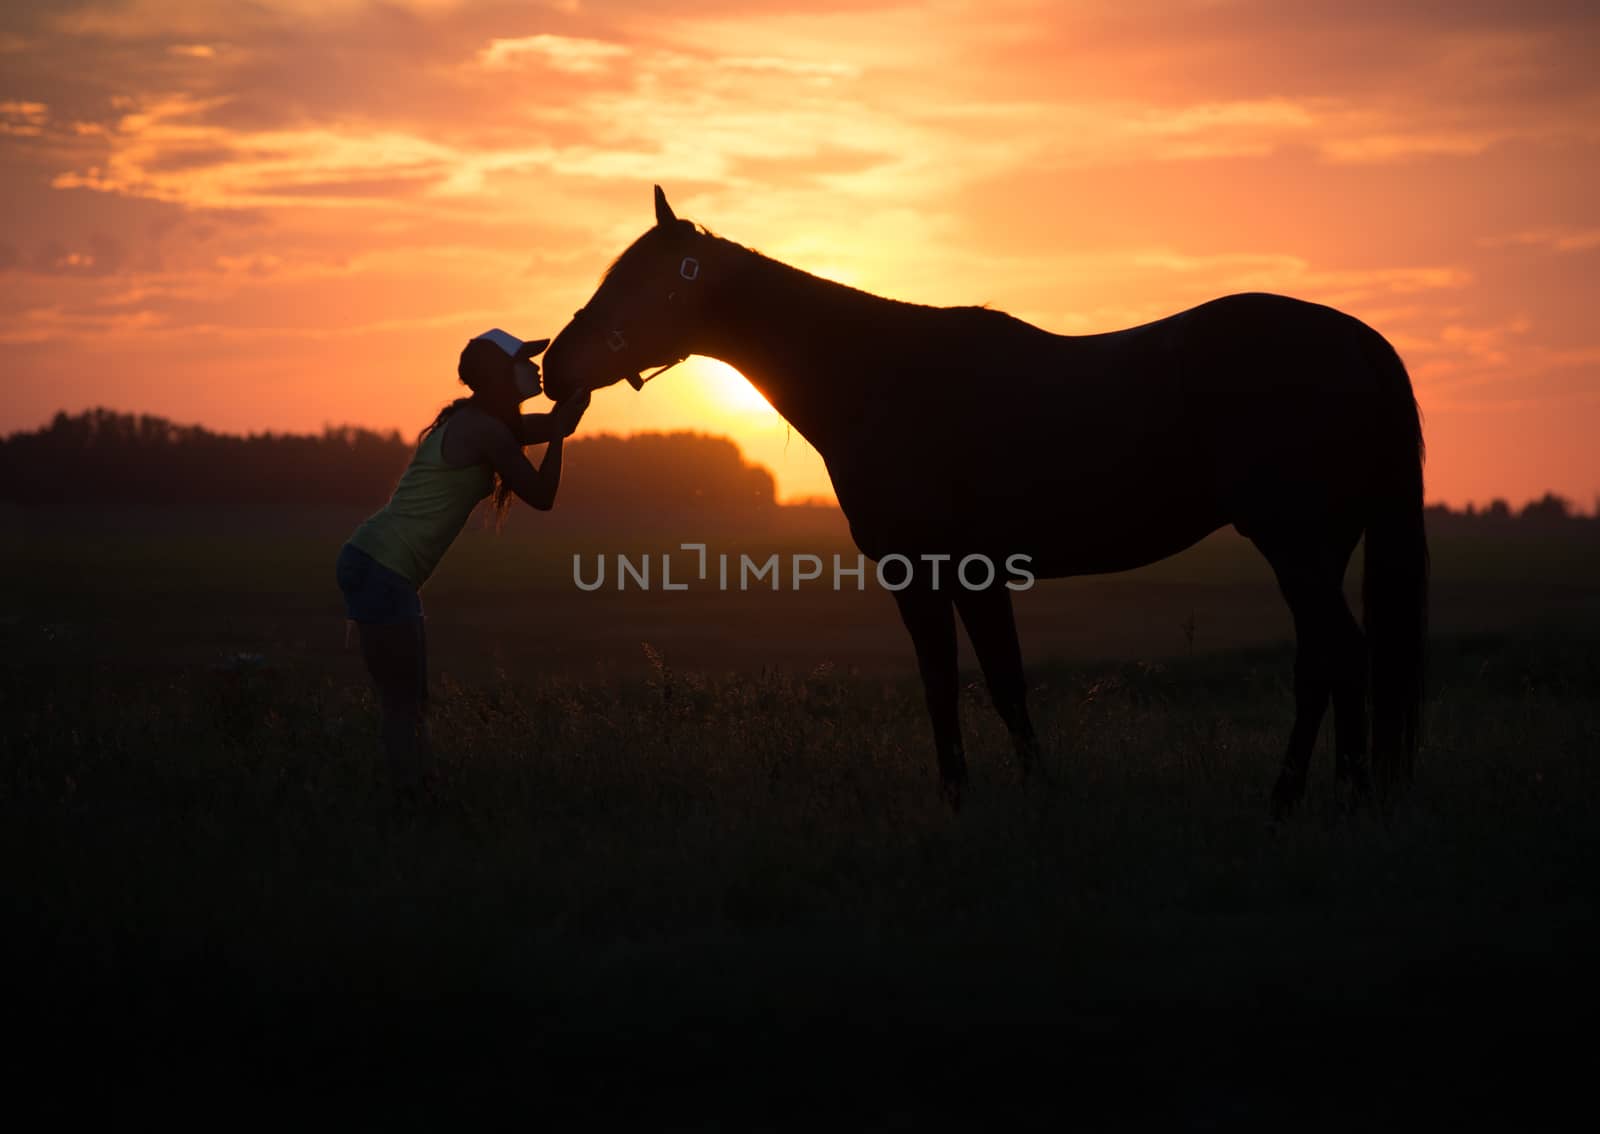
(617,340)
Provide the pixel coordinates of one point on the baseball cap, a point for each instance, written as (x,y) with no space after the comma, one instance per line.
(511,345)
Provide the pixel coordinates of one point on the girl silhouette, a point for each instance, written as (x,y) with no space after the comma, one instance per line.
(473,449)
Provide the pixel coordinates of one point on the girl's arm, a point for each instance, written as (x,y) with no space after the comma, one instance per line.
(536,485)
(537,428)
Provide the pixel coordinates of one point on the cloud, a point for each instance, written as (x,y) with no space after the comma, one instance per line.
(23,119)
(1551,239)
(1486,344)
(805,68)
(52,324)
(559,53)
(166,150)
(97,254)
(1208,117)
(109,328)
(254,264)
(1383,146)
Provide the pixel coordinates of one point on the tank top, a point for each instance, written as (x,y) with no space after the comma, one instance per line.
(428,509)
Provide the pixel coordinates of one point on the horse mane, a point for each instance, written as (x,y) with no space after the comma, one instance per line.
(646,242)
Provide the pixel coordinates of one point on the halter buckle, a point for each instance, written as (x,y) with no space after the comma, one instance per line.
(690,268)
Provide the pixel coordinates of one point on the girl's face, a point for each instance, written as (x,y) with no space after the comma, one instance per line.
(502,390)
(525,373)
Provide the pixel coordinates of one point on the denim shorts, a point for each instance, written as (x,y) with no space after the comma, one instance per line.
(372,592)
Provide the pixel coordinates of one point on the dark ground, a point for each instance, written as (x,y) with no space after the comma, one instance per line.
(710,885)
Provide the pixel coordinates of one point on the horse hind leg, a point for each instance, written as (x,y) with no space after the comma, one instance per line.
(991,627)
(1352,769)
(1327,656)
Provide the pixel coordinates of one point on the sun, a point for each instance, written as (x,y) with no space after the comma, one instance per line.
(727,389)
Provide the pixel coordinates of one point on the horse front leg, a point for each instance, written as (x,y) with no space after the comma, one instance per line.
(930,619)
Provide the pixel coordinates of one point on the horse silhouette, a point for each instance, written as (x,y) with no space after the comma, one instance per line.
(950,432)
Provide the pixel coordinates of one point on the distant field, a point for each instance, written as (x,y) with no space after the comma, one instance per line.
(720,864)
(189,595)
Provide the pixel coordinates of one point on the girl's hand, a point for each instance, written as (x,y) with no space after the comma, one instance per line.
(568,413)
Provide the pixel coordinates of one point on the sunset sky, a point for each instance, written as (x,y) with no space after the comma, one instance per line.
(288,213)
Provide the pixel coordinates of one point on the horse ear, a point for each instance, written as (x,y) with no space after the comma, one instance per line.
(664,214)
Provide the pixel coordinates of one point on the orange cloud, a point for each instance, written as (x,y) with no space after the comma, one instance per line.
(560,53)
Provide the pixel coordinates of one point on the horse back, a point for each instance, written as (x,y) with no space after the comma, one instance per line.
(1100,452)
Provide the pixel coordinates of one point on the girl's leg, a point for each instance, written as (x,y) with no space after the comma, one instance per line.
(396,657)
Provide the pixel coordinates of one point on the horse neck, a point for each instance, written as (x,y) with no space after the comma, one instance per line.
(788,332)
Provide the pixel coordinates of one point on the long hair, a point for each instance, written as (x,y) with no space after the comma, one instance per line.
(466,371)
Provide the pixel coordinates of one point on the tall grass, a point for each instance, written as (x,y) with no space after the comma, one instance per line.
(752,870)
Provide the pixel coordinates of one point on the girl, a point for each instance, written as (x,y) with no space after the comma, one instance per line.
(472,450)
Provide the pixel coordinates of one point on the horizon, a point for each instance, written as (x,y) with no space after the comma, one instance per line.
(245,220)
(1575,507)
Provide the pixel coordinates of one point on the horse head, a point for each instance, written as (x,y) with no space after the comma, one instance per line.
(641,316)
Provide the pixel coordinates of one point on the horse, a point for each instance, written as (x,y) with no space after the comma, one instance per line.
(950,432)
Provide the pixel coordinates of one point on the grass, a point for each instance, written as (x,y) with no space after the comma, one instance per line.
(690,859)
(745,879)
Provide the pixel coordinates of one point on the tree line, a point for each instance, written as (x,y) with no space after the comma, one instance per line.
(1550,514)
(102,460)
(106,461)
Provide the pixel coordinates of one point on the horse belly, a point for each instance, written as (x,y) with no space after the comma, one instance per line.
(1079,499)
(1121,518)
(1109,482)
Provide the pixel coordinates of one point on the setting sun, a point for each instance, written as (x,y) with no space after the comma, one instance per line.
(728,390)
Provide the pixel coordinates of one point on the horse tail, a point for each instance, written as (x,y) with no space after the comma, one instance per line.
(1394,588)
